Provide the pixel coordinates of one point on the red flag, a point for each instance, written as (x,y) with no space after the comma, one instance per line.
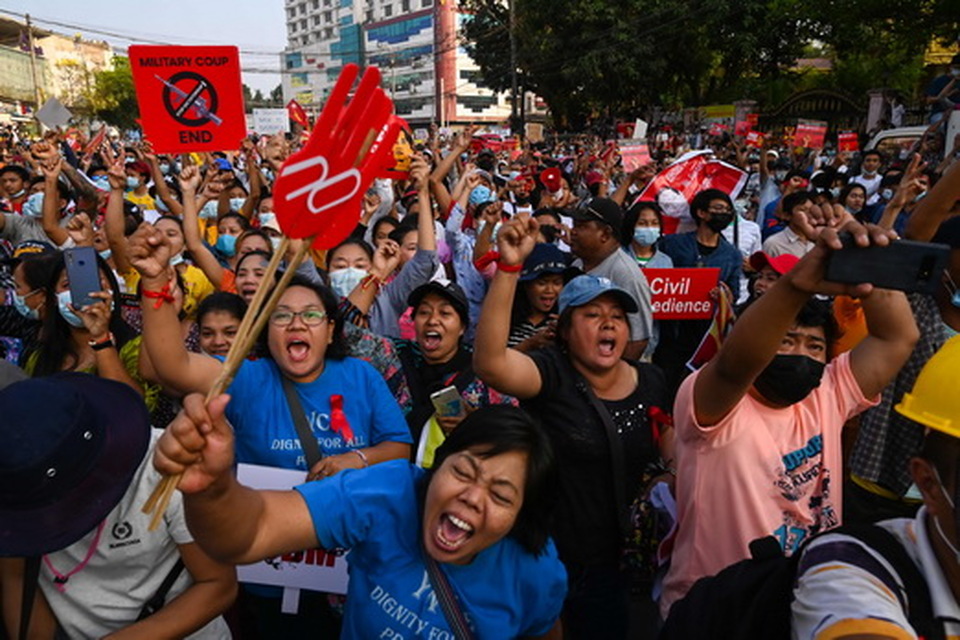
(297,114)
(723,319)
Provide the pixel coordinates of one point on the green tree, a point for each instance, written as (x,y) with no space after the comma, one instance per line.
(113,98)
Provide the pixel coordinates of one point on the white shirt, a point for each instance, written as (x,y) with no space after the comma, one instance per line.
(786,242)
(836,594)
(872,185)
(749,237)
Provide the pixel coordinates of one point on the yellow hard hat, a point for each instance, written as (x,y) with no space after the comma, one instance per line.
(935,398)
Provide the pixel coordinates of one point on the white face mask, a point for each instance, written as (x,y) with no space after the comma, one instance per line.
(344,281)
(936,521)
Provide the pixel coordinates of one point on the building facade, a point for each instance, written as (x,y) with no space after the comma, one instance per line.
(413,42)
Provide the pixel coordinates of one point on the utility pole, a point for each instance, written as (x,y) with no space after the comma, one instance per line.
(515,124)
(33,63)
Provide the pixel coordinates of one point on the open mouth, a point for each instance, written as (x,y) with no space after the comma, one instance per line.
(248,292)
(606,346)
(298,350)
(548,302)
(453,532)
(431,340)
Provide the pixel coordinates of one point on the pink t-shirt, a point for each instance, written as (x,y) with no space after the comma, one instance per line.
(758,472)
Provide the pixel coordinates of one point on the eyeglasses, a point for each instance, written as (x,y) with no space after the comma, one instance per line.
(720,212)
(310,317)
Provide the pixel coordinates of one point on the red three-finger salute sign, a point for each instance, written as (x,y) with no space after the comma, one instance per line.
(190,97)
(318,190)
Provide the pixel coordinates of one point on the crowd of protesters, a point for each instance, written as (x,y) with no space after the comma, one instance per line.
(508,439)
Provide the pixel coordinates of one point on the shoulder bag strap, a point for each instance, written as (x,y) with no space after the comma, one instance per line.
(31,575)
(156,602)
(309,443)
(448,599)
(616,450)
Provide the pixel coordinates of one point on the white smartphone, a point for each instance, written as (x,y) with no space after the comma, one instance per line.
(447,402)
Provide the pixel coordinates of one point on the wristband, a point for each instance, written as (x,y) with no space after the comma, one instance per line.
(369,280)
(100,345)
(509,268)
(484,261)
(363,457)
(163,295)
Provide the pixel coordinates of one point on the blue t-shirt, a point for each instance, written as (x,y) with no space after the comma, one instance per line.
(505,592)
(264,427)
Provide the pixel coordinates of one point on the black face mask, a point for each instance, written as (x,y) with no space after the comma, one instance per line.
(549,233)
(789,379)
(718,223)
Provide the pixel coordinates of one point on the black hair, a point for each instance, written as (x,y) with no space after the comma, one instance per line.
(942,451)
(701,202)
(398,234)
(493,430)
(222,301)
(795,199)
(547,211)
(819,313)
(171,218)
(367,249)
(243,222)
(631,216)
(850,186)
(872,152)
(337,349)
(250,233)
(393,222)
(63,191)
(256,252)
(55,350)
(38,269)
(17,169)
(796,173)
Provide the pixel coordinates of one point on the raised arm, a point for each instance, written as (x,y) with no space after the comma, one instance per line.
(50,219)
(114,223)
(935,208)
(231,522)
(253,177)
(175,367)
(757,335)
(145,152)
(506,370)
(202,256)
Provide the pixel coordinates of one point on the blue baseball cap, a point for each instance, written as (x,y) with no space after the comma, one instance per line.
(585,288)
(545,258)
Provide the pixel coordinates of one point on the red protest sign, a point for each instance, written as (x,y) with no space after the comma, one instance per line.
(634,155)
(682,294)
(742,128)
(755,139)
(810,134)
(318,190)
(848,141)
(717,129)
(753,119)
(190,97)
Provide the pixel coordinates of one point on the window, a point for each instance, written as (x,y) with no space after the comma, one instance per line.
(302,8)
(387,10)
(368,16)
(316,20)
(426,3)
(303,24)
(405,6)
(328,16)
(316,4)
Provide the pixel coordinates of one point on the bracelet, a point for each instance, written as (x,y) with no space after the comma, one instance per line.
(363,457)
(163,295)
(371,279)
(484,261)
(509,268)
(100,345)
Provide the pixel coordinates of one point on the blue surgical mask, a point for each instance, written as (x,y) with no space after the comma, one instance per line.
(227,245)
(275,243)
(33,206)
(236,204)
(835,192)
(887,194)
(646,236)
(132,183)
(106,253)
(101,182)
(164,168)
(209,210)
(19,193)
(952,288)
(176,259)
(266,218)
(343,281)
(63,303)
(20,304)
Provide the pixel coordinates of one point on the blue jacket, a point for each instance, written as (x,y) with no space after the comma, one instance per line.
(682,248)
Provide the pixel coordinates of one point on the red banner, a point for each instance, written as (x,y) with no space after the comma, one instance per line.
(810,134)
(190,97)
(717,129)
(742,128)
(297,114)
(682,294)
(848,141)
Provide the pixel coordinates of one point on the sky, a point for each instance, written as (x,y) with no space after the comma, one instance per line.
(256,26)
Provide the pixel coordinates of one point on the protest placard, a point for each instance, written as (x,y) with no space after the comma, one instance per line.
(313,569)
(634,154)
(848,141)
(268,122)
(190,97)
(810,134)
(682,294)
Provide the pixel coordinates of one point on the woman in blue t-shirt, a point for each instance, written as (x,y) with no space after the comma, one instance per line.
(474,528)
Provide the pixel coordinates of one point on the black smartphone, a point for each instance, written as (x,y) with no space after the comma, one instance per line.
(903,265)
(84,275)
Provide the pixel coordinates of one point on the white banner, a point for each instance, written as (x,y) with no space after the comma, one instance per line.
(270,121)
(314,569)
